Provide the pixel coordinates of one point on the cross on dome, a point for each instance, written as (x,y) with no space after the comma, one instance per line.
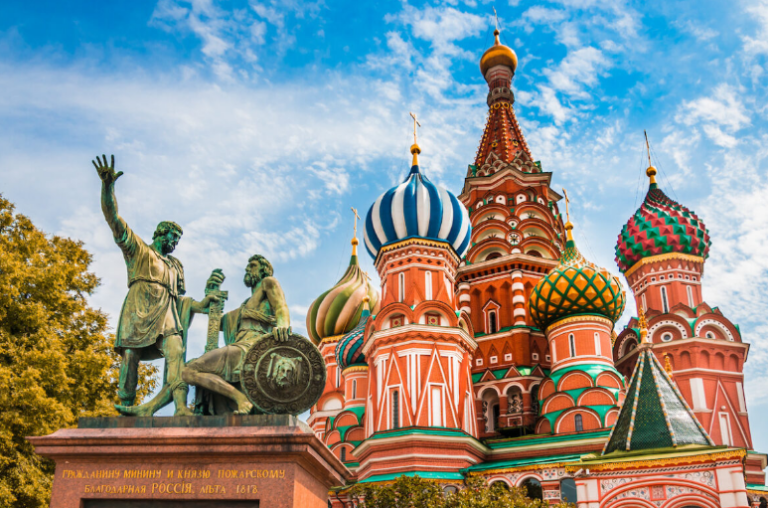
(415,150)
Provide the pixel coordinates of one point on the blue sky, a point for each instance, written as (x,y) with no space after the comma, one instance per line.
(257,125)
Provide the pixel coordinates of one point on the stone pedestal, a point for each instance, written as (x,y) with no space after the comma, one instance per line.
(191,462)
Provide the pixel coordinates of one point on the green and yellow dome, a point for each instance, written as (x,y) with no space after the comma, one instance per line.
(576,286)
(338,310)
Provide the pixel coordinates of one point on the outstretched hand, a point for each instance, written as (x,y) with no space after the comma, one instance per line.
(106,171)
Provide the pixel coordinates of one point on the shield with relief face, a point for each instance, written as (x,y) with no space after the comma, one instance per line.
(283,377)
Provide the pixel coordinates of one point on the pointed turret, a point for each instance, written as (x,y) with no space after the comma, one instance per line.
(655,414)
(502,136)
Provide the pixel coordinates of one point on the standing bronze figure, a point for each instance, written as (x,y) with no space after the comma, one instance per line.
(155,315)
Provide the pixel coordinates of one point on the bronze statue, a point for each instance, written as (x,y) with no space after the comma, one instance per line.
(155,315)
(263,314)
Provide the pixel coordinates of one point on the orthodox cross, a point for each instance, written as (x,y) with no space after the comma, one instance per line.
(647,147)
(415,123)
(357,218)
(567,202)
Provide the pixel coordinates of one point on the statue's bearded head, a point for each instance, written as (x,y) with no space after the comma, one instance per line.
(258,268)
(168,233)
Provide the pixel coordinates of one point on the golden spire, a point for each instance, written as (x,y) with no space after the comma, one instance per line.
(651,171)
(355,241)
(568,225)
(667,364)
(643,325)
(415,150)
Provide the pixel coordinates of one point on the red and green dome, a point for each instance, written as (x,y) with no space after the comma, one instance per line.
(576,286)
(661,226)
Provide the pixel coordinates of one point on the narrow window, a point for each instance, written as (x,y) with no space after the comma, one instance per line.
(395,409)
(338,377)
(492,322)
(401,280)
(689,290)
(645,305)
(428,285)
(496,414)
(579,423)
(437,407)
(572,344)
(343,454)
(664,303)
(725,429)
(354,388)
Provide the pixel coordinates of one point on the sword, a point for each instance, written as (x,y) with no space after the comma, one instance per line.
(215,311)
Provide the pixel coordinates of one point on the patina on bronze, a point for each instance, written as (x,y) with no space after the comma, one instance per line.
(263,368)
(155,315)
(285,377)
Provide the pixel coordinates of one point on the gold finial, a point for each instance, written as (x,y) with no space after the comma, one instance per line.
(415,150)
(643,325)
(651,171)
(568,225)
(355,241)
(366,305)
(667,364)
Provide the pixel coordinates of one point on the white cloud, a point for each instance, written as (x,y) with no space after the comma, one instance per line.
(720,115)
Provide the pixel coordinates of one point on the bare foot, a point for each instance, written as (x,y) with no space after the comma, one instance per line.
(183,411)
(134,410)
(244,408)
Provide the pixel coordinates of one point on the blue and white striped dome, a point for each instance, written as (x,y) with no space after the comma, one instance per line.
(417,208)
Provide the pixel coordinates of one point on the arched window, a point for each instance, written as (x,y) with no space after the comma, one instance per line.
(579,423)
(535,399)
(428,285)
(401,288)
(664,302)
(572,344)
(343,454)
(493,255)
(568,490)
(395,409)
(534,253)
(492,322)
(496,414)
(354,388)
(532,488)
(689,290)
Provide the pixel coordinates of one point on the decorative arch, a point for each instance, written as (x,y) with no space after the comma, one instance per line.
(590,420)
(574,380)
(702,323)
(557,402)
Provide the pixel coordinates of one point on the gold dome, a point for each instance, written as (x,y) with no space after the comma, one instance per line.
(498,54)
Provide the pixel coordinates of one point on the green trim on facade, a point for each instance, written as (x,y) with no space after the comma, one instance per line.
(543,439)
(428,475)
(504,464)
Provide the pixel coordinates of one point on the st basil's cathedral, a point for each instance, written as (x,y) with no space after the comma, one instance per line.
(490,348)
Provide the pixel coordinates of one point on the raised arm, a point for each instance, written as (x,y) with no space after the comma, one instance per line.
(108,202)
(277,301)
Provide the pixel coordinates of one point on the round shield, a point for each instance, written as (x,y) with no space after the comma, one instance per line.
(283,377)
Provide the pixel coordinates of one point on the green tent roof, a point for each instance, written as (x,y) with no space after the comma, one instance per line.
(654,414)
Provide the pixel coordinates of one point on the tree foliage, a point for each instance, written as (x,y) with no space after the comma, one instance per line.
(416,492)
(56,358)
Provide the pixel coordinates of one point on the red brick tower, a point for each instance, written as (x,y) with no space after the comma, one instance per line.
(661,251)
(517,238)
(419,414)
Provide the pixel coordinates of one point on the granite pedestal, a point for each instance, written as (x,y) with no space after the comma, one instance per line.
(191,462)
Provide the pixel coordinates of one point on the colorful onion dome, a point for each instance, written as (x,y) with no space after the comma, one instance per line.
(349,350)
(660,226)
(338,310)
(498,54)
(575,286)
(417,208)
